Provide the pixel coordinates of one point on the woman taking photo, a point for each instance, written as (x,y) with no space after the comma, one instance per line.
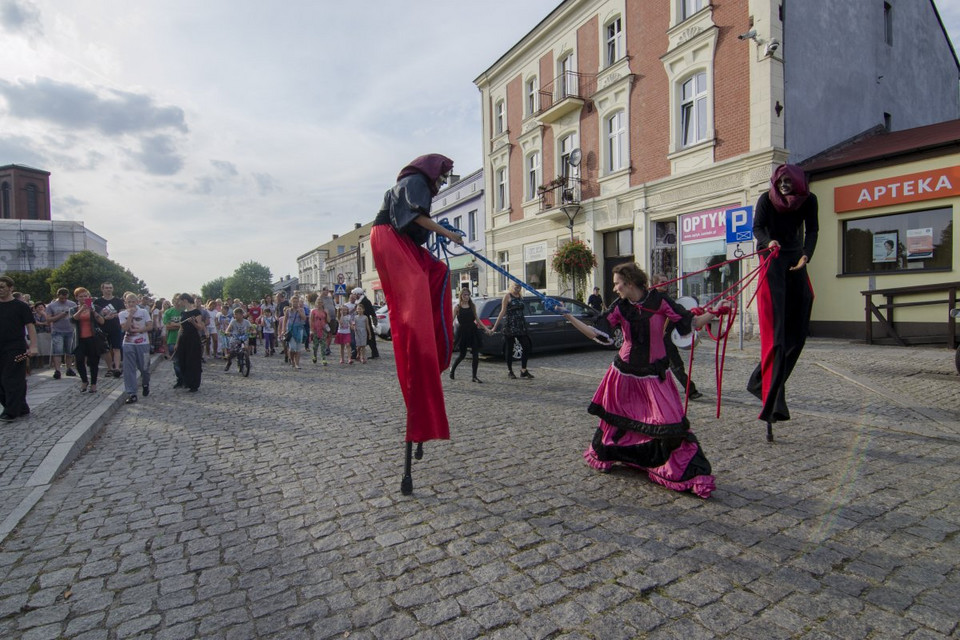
(514,330)
(88,349)
(465,313)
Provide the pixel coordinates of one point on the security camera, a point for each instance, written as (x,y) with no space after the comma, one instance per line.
(772,46)
(749,34)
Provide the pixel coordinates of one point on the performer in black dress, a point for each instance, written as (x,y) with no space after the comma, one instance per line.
(189,353)
(514,330)
(469,333)
(786,219)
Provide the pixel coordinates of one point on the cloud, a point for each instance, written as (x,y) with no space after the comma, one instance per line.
(75,107)
(20,17)
(225,168)
(19,150)
(158,156)
(265,183)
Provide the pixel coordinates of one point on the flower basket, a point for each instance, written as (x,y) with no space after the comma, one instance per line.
(575,261)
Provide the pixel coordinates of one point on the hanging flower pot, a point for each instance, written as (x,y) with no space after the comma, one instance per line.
(575,261)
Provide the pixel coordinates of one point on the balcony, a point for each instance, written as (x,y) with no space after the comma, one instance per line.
(565,94)
(560,199)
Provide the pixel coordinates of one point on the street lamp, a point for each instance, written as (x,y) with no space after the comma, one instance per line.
(570,209)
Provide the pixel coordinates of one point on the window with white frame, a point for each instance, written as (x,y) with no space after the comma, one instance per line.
(614,41)
(690,7)
(458,222)
(472,226)
(498,117)
(532,96)
(566,77)
(503,259)
(501,188)
(616,130)
(533,174)
(693,109)
(567,145)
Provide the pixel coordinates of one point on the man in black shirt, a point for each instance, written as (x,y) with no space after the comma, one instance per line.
(595,300)
(15,316)
(110,307)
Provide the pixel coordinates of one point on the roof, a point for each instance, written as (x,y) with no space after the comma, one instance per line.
(878,144)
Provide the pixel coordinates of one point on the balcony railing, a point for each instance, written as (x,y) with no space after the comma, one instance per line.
(568,91)
(563,190)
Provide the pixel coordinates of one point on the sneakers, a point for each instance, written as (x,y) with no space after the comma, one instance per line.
(227,368)
(511,375)
(314,359)
(526,374)
(130,400)
(56,374)
(695,395)
(71,372)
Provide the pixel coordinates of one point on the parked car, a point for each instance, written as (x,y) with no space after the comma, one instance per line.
(383,323)
(548,331)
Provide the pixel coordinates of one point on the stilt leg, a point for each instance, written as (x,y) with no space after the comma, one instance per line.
(406,485)
(769,432)
(419,454)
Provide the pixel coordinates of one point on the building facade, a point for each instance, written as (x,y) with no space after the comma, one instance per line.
(24,193)
(634,126)
(27,245)
(462,204)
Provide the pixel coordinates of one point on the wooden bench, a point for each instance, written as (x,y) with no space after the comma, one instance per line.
(887,321)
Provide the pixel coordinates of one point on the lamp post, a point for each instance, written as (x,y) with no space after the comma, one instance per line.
(570,209)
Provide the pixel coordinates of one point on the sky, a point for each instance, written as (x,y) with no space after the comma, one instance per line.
(195,136)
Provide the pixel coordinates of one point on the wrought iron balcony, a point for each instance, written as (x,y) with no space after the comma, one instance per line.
(564,94)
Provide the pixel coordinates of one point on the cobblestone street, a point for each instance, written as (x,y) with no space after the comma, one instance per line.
(269,507)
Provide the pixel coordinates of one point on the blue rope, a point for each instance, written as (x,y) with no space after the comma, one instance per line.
(442,242)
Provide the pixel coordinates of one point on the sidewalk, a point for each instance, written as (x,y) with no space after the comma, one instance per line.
(36,449)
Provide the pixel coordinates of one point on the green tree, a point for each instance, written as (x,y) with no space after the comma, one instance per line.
(251,281)
(213,289)
(33,282)
(90,270)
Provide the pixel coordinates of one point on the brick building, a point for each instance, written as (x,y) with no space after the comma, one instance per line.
(24,193)
(635,125)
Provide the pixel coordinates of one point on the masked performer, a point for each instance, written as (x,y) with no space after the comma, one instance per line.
(414,280)
(785,217)
(642,422)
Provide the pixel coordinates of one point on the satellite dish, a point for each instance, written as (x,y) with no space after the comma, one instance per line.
(575,156)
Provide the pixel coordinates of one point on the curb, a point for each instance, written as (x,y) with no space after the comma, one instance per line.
(65,452)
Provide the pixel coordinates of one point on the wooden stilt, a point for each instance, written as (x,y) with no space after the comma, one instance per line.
(769,432)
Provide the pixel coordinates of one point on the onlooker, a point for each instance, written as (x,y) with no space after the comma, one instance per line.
(319,329)
(595,300)
(136,324)
(371,313)
(43,330)
(331,308)
(109,307)
(87,316)
(59,312)
(171,323)
(15,318)
(514,330)
(269,326)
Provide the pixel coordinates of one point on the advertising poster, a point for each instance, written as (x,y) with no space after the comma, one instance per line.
(920,243)
(885,246)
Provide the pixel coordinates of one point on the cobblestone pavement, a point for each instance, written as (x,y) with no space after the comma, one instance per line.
(269,507)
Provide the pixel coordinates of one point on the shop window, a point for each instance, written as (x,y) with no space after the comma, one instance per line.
(902,242)
(536,274)
(705,287)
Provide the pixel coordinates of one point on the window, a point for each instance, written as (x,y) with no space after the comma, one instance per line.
(915,241)
(536,274)
(616,142)
(533,175)
(693,110)
(501,188)
(567,146)
(689,7)
(503,259)
(531,93)
(498,117)
(5,200)
(614,41)
(32,202)
(472,226)
(566,78)
(457,222)
(888,23)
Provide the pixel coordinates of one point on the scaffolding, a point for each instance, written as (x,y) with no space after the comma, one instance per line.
(28,245)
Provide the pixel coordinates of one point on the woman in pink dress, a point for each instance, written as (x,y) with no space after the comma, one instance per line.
(642,421)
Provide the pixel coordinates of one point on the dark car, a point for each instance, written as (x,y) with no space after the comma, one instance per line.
(548,331)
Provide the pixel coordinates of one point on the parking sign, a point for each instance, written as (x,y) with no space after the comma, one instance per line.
(739,224)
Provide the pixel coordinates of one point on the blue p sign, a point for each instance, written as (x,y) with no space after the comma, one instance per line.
(739,224)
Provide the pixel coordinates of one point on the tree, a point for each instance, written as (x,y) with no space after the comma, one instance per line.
(251,281)
(90,270)
(213,289)
(33,282)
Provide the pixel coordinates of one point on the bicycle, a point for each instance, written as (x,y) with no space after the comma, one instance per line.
(238,351)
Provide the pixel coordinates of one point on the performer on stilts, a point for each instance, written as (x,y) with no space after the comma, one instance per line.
(642,420)
(785,221)
(414,281)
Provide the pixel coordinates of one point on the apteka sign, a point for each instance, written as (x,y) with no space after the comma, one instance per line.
(913,187)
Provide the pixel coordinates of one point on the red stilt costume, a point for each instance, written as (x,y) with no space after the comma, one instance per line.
(417,289)
(785,296)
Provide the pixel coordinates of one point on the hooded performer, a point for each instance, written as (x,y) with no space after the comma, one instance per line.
(785,217)
(416,286)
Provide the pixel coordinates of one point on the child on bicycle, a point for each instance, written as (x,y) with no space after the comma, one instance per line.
(237,332)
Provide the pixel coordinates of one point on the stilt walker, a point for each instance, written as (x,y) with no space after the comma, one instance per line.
(417,289)
(786,221)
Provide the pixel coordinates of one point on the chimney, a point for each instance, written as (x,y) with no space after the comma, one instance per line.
(357,225)
(336,235)
(454,179)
